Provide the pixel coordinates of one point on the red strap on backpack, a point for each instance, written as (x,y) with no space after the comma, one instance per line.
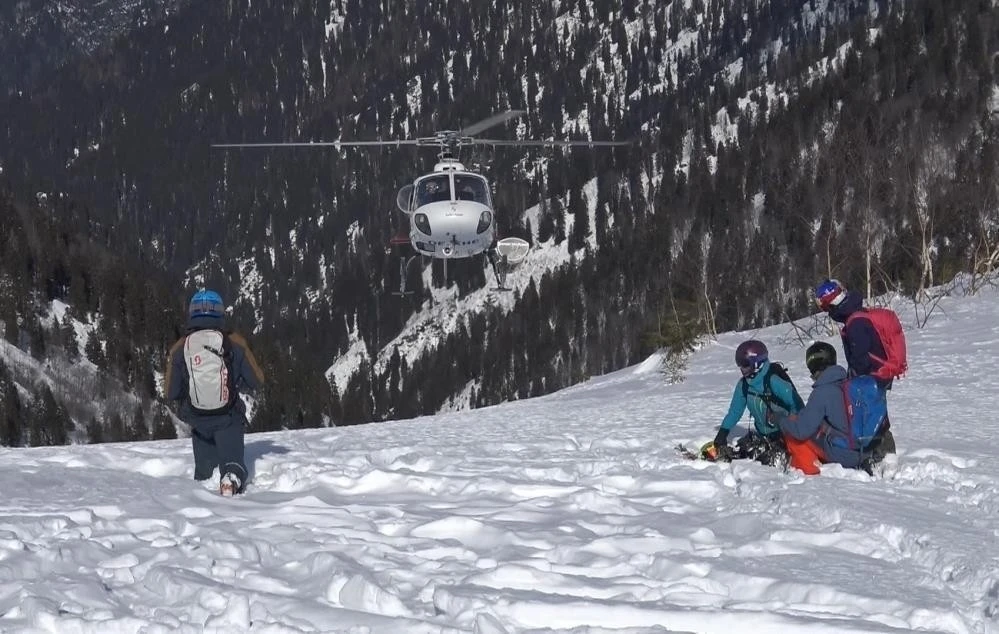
(848,408)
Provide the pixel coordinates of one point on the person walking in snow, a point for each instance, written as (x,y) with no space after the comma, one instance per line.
(764,388)
(206,370)
(820,432)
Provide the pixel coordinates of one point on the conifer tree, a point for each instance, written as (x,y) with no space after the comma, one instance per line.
(95,431)
(10,409)
(163,426)
(94,351)
(69,340)
(48,423)
(137,429)
(116,430)
(10,327)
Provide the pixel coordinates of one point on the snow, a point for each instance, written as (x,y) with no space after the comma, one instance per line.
(82,330)
(347,364)
(732,71)
(334,23)
(590,196)
(250,287)
(569,512)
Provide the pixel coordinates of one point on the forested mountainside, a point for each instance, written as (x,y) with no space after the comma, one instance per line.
(88,371)
(775,142)
(38,36)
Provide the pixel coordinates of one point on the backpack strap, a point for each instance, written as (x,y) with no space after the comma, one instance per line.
(848,409)
(767,397)
(227,359)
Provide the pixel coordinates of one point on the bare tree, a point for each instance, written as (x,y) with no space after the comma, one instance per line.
(865,159)
(868,172)
(986,254)
(708,313)
(935,163)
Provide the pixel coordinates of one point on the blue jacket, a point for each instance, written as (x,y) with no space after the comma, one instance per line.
(823,419)
(860,340)
(779,388)
(245,368)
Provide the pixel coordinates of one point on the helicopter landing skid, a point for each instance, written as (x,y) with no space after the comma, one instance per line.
(404,263)
(500,269)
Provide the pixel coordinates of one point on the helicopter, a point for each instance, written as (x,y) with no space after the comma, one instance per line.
(450,210)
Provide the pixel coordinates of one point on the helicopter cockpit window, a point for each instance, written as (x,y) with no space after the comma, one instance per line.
(471,188)
(433,189)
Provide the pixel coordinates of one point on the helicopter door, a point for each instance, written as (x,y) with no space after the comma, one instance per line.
(404,198)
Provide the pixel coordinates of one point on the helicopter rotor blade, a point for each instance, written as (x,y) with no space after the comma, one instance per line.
(318,144)
(488,122)
(552,143)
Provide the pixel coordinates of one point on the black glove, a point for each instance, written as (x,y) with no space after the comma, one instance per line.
(721,438)
(723,452)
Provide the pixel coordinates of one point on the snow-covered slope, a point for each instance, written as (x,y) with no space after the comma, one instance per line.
(570,512)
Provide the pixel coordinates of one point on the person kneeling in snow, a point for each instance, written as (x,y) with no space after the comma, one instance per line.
(205,370)
(764,389)
(820,432)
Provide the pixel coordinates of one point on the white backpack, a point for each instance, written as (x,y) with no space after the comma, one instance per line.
(210,383)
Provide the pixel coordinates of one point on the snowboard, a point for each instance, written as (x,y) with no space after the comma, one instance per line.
(692,454)
(687,453)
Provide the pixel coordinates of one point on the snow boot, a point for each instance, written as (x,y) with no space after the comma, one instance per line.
(769,451)
(881,446)
(229,485)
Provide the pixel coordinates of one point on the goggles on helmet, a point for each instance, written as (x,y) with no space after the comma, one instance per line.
(829,294)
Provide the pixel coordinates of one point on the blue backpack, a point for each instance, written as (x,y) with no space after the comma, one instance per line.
(866,410)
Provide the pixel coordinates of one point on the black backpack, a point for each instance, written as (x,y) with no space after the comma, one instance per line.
(768,395)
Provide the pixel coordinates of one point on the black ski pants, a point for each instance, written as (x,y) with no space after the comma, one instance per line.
(218,442)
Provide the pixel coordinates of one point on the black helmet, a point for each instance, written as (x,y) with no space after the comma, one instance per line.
(819,356)
(750,357)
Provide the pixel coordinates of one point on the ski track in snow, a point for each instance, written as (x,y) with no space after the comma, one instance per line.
(570,512)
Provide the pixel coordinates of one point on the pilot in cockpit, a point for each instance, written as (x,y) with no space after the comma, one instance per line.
(434,190)
(469,188)
(465,192)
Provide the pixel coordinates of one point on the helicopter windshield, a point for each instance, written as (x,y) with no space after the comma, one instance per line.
(471,188)
(433,189)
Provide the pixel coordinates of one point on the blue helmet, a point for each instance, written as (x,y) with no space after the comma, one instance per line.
(829,293)
(750,357)
(206,303)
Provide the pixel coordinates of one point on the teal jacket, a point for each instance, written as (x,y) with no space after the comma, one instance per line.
(783,400)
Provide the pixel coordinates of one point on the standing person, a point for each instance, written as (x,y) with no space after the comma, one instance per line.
(873,341)
(205,371)
(764,388)
(824,431)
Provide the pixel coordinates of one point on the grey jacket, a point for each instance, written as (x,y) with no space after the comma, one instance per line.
(823,420)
